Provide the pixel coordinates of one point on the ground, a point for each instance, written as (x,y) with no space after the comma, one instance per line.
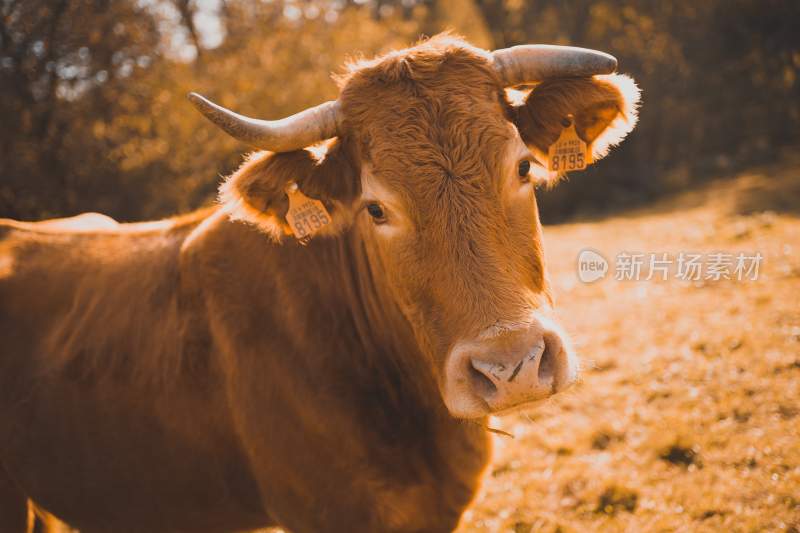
(687,415)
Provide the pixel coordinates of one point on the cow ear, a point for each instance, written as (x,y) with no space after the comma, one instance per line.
(256,192)
(604,107)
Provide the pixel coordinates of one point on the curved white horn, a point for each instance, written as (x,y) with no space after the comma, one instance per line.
(291,133)
(536,62)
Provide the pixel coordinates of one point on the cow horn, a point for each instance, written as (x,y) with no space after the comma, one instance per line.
(536,62)
(291,133)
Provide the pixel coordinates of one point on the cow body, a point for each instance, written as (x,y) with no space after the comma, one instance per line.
(210,373)
(192,376)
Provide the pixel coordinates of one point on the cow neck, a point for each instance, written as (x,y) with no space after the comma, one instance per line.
(382,334)
(391,396)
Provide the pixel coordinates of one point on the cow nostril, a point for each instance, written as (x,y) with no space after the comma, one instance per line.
(481,382)
(547,365)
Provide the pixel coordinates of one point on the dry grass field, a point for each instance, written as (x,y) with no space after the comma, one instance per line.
(687,417)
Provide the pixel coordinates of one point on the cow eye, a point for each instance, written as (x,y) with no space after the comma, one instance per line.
(523,169)
(376,212)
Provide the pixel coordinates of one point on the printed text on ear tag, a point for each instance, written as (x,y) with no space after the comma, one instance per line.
(569,152)
(306,216)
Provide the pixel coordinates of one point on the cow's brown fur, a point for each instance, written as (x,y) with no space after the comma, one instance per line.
(194,375)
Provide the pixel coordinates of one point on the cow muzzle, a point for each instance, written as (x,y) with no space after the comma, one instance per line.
(503,372)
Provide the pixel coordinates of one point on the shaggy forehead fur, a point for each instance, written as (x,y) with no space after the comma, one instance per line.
(430,120)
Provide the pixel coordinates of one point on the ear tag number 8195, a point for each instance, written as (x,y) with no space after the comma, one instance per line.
(305,216)
(569,152)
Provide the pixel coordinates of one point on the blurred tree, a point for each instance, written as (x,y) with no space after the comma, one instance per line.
(92,92)
(94,116)
(54,57)
(719,81)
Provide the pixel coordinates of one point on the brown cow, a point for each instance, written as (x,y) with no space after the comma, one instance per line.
(210,373)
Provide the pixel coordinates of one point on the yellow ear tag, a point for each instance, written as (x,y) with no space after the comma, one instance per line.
(306,216)
(569,152)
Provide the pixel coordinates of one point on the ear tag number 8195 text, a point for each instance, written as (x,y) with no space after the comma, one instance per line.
(306,216)
(569,152)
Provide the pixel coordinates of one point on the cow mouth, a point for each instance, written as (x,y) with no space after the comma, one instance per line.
(484,387)
(480,382)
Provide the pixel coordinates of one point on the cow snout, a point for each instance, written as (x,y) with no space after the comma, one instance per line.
(507,371)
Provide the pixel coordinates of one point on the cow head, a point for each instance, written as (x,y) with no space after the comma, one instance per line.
(434,169)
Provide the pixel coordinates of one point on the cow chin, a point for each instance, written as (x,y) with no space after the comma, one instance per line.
(506,374)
